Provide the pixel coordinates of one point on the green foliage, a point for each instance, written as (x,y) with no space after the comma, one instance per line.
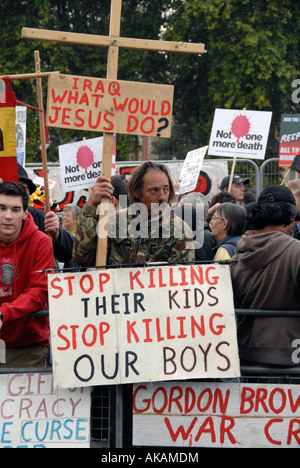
(252,58)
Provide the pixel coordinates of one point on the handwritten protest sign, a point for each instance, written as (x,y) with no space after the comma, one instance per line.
(109,106)
(216,415)
(241,134)
(33,414)
(21,116)
(80,164)
(191,169)
(140,325)
(289,139)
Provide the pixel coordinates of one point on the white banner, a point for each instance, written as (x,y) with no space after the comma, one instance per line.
(34,415)
(191,169)
(80,163)
(240,134)
(21,116)
(141,325)
(205,414)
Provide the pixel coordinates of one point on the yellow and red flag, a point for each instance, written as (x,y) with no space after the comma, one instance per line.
(8,150)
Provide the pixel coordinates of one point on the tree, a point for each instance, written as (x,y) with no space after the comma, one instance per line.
(141,19)
(252,59)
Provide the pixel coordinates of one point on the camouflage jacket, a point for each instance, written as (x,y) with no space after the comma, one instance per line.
(168,239)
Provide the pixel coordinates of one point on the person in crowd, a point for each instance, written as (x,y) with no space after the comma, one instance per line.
(227,226)
(70,218)
(24,253)
(266,276)
(294,186)
(237,188)
(49,223)
(153,232)
(249,197)
(120,196)
(193,209)
(217,200)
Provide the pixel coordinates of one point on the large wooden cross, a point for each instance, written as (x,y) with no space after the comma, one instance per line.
(114,42)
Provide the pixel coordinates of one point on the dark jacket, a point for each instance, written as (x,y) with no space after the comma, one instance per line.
(229,243)
(266,276)
(64,248)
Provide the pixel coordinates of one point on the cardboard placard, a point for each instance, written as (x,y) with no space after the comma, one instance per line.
(109,106)
(140,325)
(289,139)
(240,134)
(191,169)
(34,415)
(80,164)
(228,415)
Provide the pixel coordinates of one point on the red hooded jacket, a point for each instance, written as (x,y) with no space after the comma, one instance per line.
(23,290)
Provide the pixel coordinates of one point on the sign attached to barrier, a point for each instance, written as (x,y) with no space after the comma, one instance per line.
(216,415)
(34,415)
(140,325)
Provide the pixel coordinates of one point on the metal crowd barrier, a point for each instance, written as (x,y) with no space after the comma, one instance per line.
(107,409)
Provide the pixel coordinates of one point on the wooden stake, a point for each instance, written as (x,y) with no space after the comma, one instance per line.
(30,76)
(42,129)
(113,42)
(233,170)
(108,138)
(286,176)
(116,41)
(231,175)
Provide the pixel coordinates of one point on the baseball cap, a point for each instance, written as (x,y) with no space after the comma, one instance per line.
(236,180)
(23,176)
(276,193)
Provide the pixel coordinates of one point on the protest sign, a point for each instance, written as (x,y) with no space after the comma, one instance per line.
(80,164)
(21,116)
(34,415)
(289,139)
(240,134)
(225,415)
(139,325)
(109,106)
(191,169)
(39,181)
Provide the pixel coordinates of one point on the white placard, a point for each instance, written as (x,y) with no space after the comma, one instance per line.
(240,134)
(80,163)
(206,414)
(34,415)
(141,325)
(191,169)
(21,116)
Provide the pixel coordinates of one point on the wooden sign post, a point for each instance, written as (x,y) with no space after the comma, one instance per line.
(42,130)
(113,42)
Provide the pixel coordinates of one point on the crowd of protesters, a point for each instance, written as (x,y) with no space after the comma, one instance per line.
(259,239)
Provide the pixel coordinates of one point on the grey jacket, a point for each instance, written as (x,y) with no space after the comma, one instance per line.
(266,276)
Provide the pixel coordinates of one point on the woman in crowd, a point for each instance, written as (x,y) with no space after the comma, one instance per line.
(227,226)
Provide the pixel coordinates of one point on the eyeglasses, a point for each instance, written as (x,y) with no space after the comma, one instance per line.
(214,218)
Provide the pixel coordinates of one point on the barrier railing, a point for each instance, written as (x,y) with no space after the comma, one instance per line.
(107,415)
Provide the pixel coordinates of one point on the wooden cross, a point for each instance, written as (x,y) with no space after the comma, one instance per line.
(114,42)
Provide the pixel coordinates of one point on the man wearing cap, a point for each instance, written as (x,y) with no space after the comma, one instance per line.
(49,223)
(266,276)
(237,188)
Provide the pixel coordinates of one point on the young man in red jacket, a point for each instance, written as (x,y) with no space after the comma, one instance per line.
(24,251)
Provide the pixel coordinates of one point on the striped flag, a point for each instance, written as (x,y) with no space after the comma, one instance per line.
(8,149)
